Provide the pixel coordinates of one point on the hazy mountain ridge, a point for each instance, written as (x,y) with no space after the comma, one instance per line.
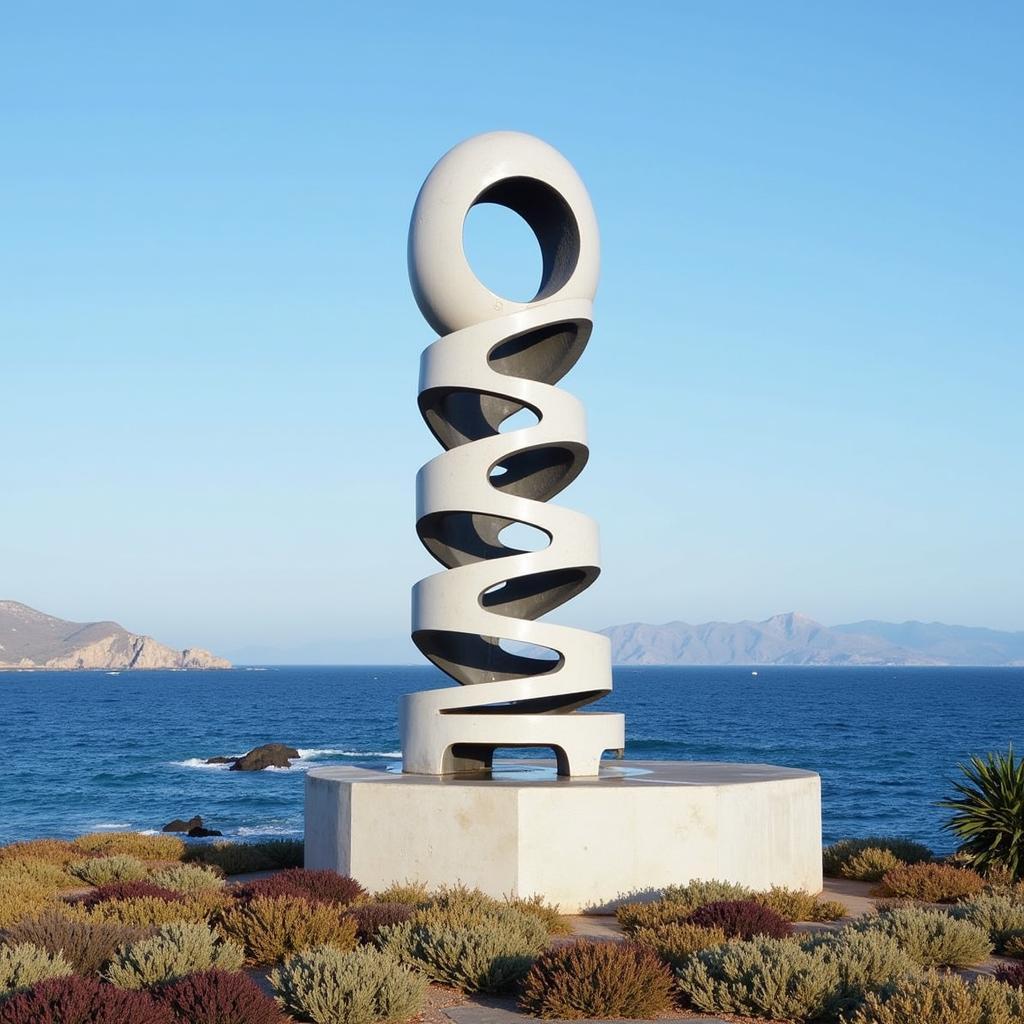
(795,639)
(30,639)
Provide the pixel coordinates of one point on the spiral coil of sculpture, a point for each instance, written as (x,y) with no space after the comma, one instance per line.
(495,358)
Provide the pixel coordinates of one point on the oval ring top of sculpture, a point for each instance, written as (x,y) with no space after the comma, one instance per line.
(522,680)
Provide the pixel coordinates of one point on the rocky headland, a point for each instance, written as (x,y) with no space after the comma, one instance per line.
(30,639)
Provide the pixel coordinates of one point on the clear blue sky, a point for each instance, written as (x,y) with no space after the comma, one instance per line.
(805,383)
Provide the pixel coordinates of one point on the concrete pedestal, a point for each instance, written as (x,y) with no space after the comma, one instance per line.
(581,843)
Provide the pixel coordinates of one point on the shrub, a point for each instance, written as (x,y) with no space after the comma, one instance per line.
(943,999)
(779,979)
(653,914)
(699,893)
(132,844)
(742,919)
(218,997)
(22,965)
(19,899)
(188,879)
(588,979)
(550,916)
(273,927)
(870,865)
(1013,945)
(86,945)
(43,873)
(931,883)
(327,986)
(371,917)
(988,813)
(153,911)
(478,949)
(931,937)
(315,886)
(242,858)
(82,1001)
(1012,974)
(764,978)
(129,891)
(415,894)
(834,857)
(56,851)
(1001,915)
(173,952)
(797,905)
(676,942)
(115,868)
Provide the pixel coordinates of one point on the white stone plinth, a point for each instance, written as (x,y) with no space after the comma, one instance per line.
(581,843)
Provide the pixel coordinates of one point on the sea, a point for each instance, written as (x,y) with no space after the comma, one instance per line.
(93,751)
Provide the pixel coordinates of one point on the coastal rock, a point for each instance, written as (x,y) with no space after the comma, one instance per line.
(201,833)
(179,825)
(270,755)
(221,760)
(30,639)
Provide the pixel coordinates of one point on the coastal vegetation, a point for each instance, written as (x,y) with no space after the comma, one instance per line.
(154,930)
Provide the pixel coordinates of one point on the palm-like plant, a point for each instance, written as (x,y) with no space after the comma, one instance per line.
(989,812)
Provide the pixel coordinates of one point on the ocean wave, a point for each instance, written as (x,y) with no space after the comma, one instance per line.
(200,762)
(316,753)
(111,825)
(246,831)
(307,755)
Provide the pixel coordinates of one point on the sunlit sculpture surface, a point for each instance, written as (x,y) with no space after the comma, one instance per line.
(522,681)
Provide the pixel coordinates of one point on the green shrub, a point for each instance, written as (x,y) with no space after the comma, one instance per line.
(943,999)
(931,883)
(175,951)
(131,844)
(327,986)
(415,894)
(243,858)
(371,917)
(23,965)
(270,928)
(699,893)
(86,945)
(188,879)
(476,948)
(676,942)
(825,976)
(1013,945)
(834,857)
(988,816)
(18,899)
(999,914)
(115,868)
(587,979)
(870,865)
(932,938)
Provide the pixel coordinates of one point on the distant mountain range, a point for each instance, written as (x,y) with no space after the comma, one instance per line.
(795,639)
(33,640)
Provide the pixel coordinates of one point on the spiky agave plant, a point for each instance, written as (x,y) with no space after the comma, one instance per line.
(989,812)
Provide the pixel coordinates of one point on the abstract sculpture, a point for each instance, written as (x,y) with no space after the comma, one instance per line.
(494,359)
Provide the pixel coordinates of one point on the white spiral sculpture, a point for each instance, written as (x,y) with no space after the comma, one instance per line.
(495,358)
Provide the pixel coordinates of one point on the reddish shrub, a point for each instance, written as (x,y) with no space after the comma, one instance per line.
(1011,975)
(130,891)
(219,997)
(76,1000)
(371,917)
(315,886)
(741,919)
(86,945)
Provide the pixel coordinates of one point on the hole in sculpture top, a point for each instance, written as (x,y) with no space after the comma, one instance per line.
(523,537)
(502,232)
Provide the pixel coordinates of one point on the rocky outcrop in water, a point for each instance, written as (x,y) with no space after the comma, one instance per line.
(30,639)
(269,755)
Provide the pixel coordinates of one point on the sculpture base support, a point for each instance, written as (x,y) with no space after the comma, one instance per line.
(583,844)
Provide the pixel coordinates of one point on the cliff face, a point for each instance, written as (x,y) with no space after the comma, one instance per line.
(32,639)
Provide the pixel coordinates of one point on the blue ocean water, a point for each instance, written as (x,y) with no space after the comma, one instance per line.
(87,750)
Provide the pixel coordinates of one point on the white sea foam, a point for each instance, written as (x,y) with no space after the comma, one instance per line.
(307,755)
(111,825)
(316,753)
(267,830)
